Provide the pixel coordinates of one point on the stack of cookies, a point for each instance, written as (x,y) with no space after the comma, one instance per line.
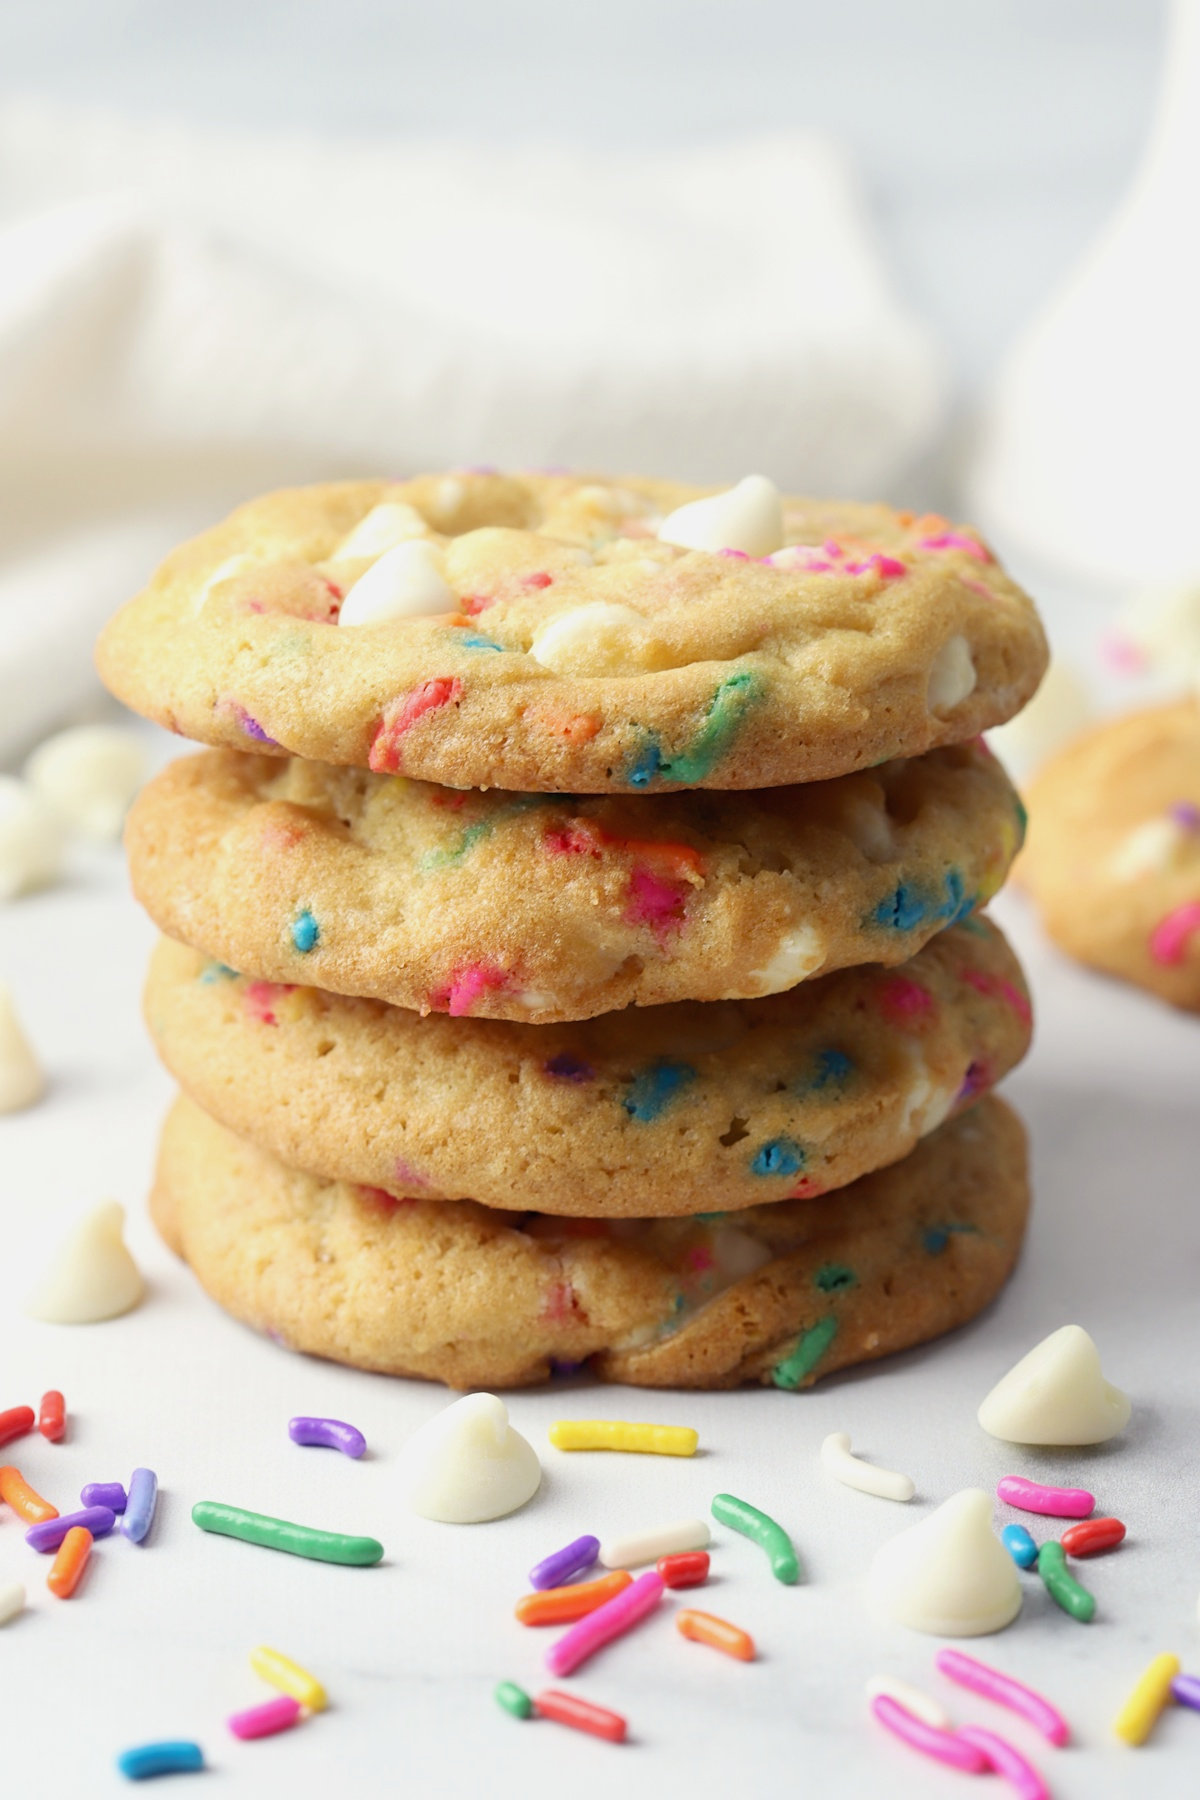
(573,940)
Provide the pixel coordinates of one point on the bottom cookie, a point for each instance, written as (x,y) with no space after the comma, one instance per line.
(455,1292)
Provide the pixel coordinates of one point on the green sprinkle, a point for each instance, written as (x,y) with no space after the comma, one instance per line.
(726,710)
(279,1534)
(1061,1586)
(761,1530)
(833,1276)
(448,857)
(813,1344)
(513,1699)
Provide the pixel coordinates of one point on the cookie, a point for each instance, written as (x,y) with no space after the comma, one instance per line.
(541,633)
(476,1298)
(662,1111)
(1113,858)
(528,906)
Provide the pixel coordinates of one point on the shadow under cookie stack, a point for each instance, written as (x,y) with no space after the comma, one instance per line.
(573,939)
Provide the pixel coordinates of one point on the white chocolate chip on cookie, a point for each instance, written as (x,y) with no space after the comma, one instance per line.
(386,525)
(598,639)
(748,517)
(952,676)
(406,583)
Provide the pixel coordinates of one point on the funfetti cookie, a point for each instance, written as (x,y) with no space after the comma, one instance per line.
(457,1293)
(535,907)
(1113,858)
(577,635)
(661,1111)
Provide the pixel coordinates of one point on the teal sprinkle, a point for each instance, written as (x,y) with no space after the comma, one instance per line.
(216,971)
(833,1276)
(726,710)
(479,643)
(709,1218)
(454,853)
(1022,819)
(781,1156)
(937,1237)
(654,1089)
(306,933)
(809,1350)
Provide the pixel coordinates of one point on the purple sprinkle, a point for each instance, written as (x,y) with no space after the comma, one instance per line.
(559,1366)
(1186,1689)
(99,1520)
(105,1493)
(251,726)
(143,1498)
(572,1559)
(1185,814)
(565,1067)
(330,1434)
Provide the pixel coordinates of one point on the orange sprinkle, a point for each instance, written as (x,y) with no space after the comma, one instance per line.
(681,856)
(576,728)
(930,523)
(706,1628)
(558,1606)
(16,1492)
(70,1562)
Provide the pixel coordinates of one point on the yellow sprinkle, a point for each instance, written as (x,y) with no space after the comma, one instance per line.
(618,1434)
(1150,1694)
(288,1676)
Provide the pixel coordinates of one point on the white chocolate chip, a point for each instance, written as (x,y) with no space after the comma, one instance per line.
(12,1599)
(868,827)
(598,639)
(1056,1394)
(951,676)
(448,496)
(31,840)
(224,571)
(386,525)
(736,1254)
(747,517)
(467,1464)
(1152,848)
(949,1574)
(21,1078)
(87,776)
(406,583)
(93,1277)
(838,1460)
(800,954)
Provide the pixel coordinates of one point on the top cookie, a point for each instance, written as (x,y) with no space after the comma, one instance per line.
(1113,858)
(552,634)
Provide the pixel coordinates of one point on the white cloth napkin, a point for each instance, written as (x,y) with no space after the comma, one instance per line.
(188,318)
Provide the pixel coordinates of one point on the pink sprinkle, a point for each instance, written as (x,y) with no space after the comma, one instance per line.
(1034,1497)
(405,1176)
(267,1719)
(888,568)
(996,988)
(559,1304)
(609,1621)
(737,555)
(981,1678)
(466,986)
(700,1259)
(956,540)
(260,998)
(977,587)
(1007,1762)
(540,580)
(903,999)
(570,840)
(382,1201)
(655,902)
(1171,936)
(944,1746)
(403,714)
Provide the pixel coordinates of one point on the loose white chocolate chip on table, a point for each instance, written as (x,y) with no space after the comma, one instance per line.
(93,1277)
(386,525)
(952,676)
(31,840)
(21,1078)
(915,1700)
(406,583)
(1056,1394)
(840,1462)
(601,638)
(87,776)
(648,1546)
(467,1464)
(948,1575)
(748,517)
(801,952)
(12,1599)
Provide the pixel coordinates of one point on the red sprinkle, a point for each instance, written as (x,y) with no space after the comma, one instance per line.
(52,1415)
(581,1715)
(403,714)
(540,580)
(1092,1535)
(688,1569)
(15,1422)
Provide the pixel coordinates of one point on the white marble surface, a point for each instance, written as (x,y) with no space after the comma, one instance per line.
(155,1644)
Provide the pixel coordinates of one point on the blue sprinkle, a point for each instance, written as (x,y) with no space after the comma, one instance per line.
(305,932)
(479,643)
(172,1758)
(833,1067)
(647,766)
(1020,1546)
(938,1236)
(781,1156)
(216,971)
(655,1088)
(908,907)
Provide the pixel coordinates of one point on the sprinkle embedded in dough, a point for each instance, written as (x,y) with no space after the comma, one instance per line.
(1056,1394)
(601,638)
(406,583)
(840,1462)
(21,1079)
(952,676)
(748,517)
(467,1464)
(31,840)
(93,1276)
(948,1575)
(800,954)
(386,525)
(87,776)
(1152,848)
